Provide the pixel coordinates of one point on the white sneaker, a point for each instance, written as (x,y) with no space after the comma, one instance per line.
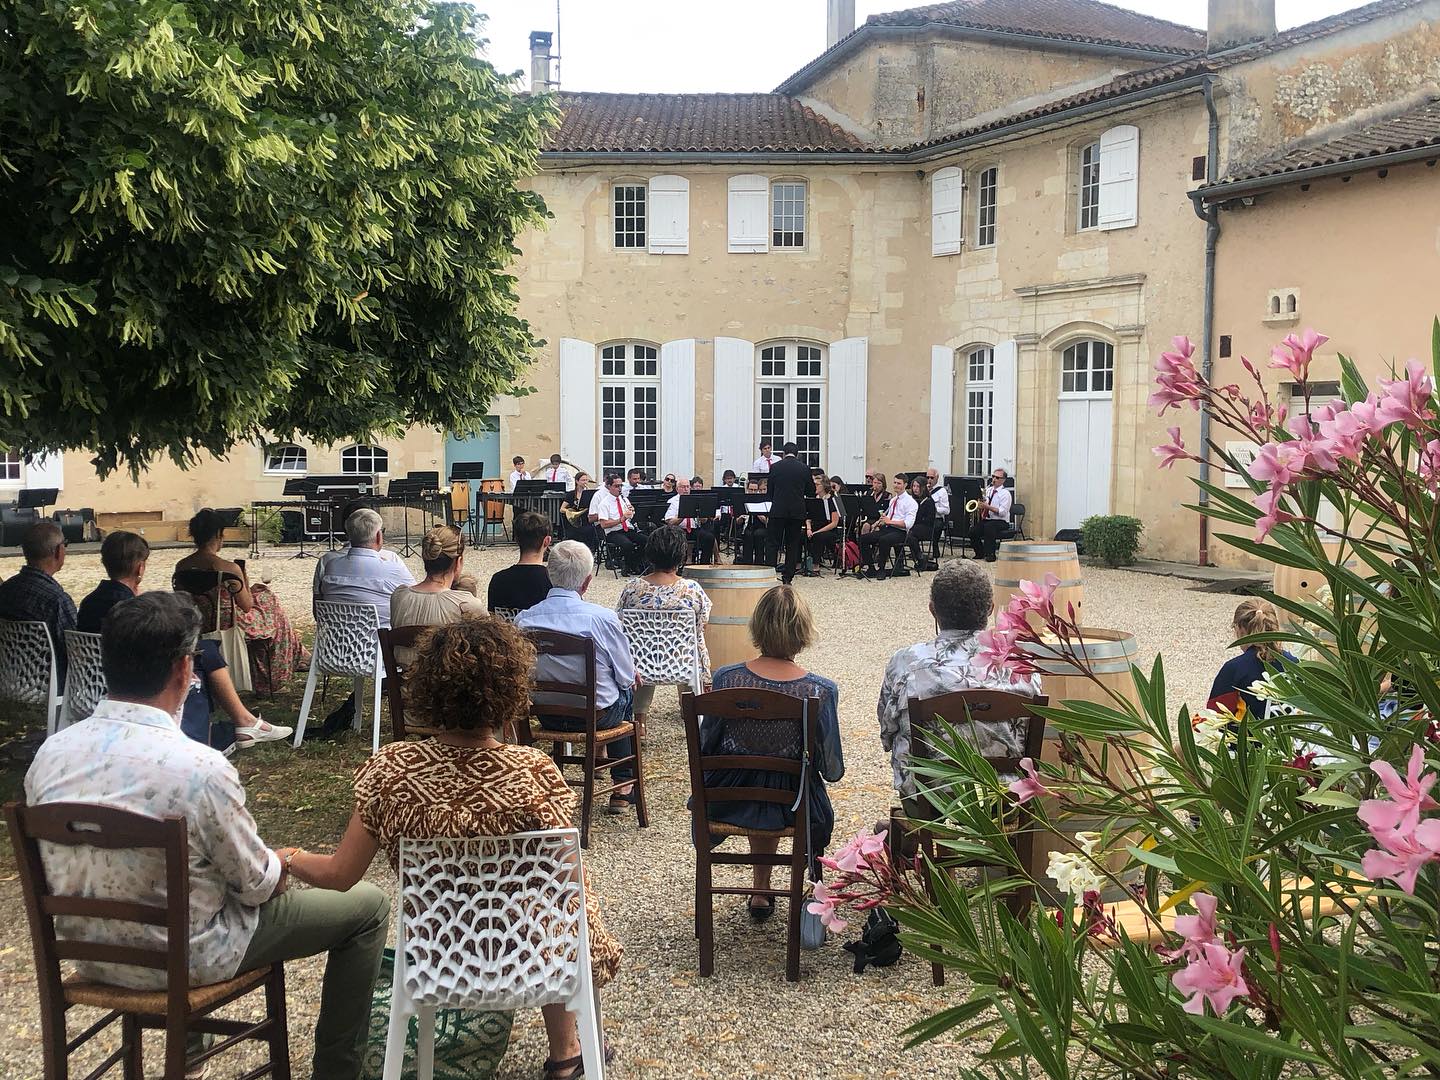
(262,731)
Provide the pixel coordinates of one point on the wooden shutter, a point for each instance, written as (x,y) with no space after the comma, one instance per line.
(849,390)
(942,406)
(947,194)
(47,471)
(1119,177)
(669,215)
(749,214)
(1002,425)
(734,410)
(578,441)
(677,407)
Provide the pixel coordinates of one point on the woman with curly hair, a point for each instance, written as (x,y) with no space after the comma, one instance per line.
(468,679)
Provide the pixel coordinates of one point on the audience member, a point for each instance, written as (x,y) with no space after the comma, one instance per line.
(124,556)
(130,755)
(33,594)
(527,582)
(611,512)
(386,554)
(1233,682)
(469,679)
(781,628)
(961,599)
(572,568)
(436,600)
(254,609)
(697,530)
(663,589)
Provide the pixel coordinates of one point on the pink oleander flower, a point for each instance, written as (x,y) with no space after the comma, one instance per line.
(1295,352)
(824,905)
(1402,855)
(1176,377)
(1008,621)
(1173,451)
(1197,930)
(1268,502)
(997,654)
(1408,797)
(1030,785)
(1408,400)
(1036,597)
(1279,463)
(1304,763)
(1345,430)
(1367,414)
(1430,466)
(1215,975)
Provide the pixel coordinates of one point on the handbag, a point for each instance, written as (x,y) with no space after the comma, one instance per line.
(235,648)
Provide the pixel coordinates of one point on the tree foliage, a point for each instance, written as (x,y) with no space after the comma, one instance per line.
(243,217)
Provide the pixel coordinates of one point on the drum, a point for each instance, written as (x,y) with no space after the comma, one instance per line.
(1304,585)
(734,591)
(1031,560)
(459,501)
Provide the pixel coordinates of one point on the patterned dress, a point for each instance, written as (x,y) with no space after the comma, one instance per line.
(262,625)
(426,790)
(685,593)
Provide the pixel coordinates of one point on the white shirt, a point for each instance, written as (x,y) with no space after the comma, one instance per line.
(515,478)
(361,576)
(1000,500)
(607,507)
(132,757)
(672,514)
(628,487)
(760,465)
(903,507)
(553,474)
(941,496)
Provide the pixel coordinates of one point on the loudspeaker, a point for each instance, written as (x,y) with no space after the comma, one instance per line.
(292,526)
(78,526)
(14,521)
(1072,536)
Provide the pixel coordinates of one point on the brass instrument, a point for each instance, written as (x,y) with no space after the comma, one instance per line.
(972,506)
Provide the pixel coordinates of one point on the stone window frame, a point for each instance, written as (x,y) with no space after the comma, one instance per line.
(279,461)
(1085,175)
(984,387)
(813,380)
(370,454)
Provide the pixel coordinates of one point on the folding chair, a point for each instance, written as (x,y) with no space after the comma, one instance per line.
(347,643)
(84,677)
(28,671)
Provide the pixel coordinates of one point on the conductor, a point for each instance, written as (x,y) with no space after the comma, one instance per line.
(789,480)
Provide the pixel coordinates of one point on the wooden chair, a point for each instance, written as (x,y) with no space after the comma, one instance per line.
(959,709)
(593,738)
(179,1009)
(392,638)
(774,733)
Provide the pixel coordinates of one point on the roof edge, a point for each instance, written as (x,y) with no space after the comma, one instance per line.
(1236,189)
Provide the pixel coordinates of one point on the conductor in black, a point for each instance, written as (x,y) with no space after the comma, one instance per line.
(789,480)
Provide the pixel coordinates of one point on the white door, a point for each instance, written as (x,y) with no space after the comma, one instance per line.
(1085,416)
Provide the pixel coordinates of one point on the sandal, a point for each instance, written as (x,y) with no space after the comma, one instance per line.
(574,1068)
(620,804)
(760,914)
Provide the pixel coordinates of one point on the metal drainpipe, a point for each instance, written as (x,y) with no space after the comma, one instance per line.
(1211,216)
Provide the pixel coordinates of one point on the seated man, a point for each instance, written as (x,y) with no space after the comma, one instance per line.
(889,534)
(634,479)
(697,530)
(572,568)
(994,516)
(754,526)
(124,556)
(33,595)
(326,557)
(526,583)
(960,599)
(612,514)
(130,755)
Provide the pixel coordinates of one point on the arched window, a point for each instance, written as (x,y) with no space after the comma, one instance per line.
(979,368)
(286,458)
(629,407)
(790,397)
(12,467)
(365,460)
(1088,367)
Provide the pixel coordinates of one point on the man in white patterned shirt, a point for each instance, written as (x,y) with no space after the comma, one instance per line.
(131,755)
(961,598)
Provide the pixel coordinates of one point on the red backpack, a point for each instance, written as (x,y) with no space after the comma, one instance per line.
(852,555)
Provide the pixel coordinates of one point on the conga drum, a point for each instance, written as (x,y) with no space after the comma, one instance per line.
(734,591)
(459,501)
(1031,560)
(1304,586)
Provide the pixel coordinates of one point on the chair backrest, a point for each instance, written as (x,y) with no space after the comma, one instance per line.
(507,613)
(581,693)
(763,730)
(27,663)
(392,638)
(967,711)
(346,637)
(83,824)
(493,922)
(84,676)
(665,645)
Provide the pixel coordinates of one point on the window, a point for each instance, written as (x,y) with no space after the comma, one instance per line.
(1088,367)
(1090,186)
(791,390)
(11,467)
(987,186)
(979,409)
(629,202)
(365,460)
(287,458)
(787,214)
(629,408)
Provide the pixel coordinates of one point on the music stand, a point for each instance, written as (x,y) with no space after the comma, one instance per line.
(405,490)
(36,498)
(427,479)
(698,506)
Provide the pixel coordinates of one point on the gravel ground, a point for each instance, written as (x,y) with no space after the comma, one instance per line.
(663,1019)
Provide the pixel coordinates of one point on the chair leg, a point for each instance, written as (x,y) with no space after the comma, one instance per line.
(587,792)
(305,704)
(705,912)
(937,971)
(425,1043)
(401,1010)
(642,814)
(133,1063)
(175,1049)
(280,1021)
(587,1024)
(358,724)
(792,922)
(375,737)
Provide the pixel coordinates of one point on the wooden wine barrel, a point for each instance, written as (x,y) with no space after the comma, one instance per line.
(734,591)
(1304,585)
(1031,560)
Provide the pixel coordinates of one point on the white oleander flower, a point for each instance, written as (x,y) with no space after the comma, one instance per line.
(1211,729)
(1073,872)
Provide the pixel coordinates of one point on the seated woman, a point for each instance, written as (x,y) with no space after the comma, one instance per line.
(781,628)
(255,609)
(881,494)
(663,589)
(436,600)
(822,538)
(576,516)
(468,679)
(1232,684)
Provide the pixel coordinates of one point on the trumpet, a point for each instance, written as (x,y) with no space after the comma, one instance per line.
(972,506)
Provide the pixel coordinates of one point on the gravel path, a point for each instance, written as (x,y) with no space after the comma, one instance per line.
(746,1020)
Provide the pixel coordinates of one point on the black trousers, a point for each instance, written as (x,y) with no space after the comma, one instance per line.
(626,548)
(588,534)
(788,534)
(883,540)
(823,542)
(702,544)
(919,542)
(750,545)
(986,536)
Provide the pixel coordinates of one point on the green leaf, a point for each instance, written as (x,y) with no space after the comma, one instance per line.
(1249,1038)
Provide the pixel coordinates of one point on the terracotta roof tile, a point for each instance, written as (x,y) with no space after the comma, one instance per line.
(1087,21)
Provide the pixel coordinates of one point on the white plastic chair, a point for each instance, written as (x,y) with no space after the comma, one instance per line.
(28,674)
(84,677)
(347,643)
(506,613)
(665,645)
(490,923)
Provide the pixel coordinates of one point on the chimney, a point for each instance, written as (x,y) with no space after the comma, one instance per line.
(840,20)
(1236,22)
(540,61)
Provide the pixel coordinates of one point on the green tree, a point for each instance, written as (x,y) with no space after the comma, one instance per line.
(242,217)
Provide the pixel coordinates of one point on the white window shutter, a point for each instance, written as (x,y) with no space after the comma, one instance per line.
(47,471)
(942,406)
(947,194)
(669,215)
(749,214)
(734,409)
(677,407)
(1002,430)
(578,441)
(849,392)
(1120,177)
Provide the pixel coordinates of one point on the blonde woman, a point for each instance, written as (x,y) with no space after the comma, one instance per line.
(435,601)
(1232,684)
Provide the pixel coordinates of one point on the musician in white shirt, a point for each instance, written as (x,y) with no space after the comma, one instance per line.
(634,479)
(762,463)
(702,539)
(518,474)
(939,492)
(890,532)
(555,472)
(994,516)
(612,512)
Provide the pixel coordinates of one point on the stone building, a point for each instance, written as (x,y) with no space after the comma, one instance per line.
(957,237)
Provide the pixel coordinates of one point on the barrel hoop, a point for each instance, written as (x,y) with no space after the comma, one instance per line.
(728,620)
(1123,649)
(1109,667)
(1065,583)
(1026,545)
(710,586)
